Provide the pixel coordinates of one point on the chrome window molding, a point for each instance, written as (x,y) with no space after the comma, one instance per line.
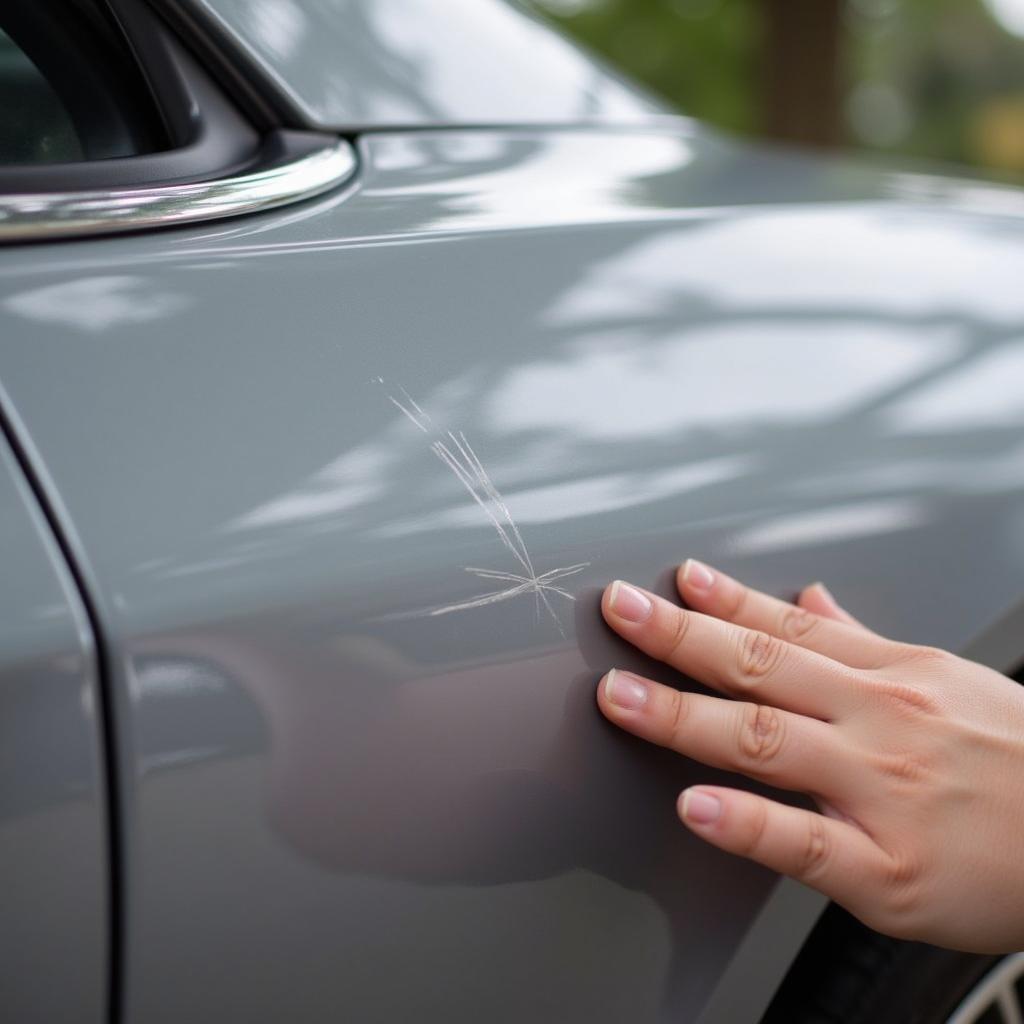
(39,216)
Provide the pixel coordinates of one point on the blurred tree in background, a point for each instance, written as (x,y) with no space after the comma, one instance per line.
(937,79)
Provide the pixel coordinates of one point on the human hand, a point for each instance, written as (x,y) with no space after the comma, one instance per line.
(914,756)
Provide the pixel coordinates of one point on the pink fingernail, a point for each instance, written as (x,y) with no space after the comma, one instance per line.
(625,690)
(825,593)
(697,576)
(629,603)
(700,808)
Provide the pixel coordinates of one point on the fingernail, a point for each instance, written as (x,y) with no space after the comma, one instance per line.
(697,575)
(625,690)
(629,603)
(825,592)
(700,808)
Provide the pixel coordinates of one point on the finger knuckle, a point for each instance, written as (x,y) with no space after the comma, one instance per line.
(676,634)
(761,736)
(754,833)
(736,603)
(929,658)
(798,625)
(816,851)
(759,655)
(905,768)
(678,712)
(906,700)
(903,891)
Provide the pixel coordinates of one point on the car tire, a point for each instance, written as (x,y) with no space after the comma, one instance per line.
(849,974)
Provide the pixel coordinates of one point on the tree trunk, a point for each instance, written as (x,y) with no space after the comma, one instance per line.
(802,96)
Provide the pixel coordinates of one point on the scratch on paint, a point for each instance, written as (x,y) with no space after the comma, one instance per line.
(455,451)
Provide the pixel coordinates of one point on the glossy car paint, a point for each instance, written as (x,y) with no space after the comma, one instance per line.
(53,850)
(346,64)
(659,344)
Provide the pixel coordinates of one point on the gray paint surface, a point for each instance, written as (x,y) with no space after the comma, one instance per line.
(383,63)
(53,893)
(659,345)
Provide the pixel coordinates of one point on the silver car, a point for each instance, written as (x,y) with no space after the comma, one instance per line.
(348,348)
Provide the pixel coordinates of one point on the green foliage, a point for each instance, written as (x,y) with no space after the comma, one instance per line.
(699,55)
(949,65)
(939,79)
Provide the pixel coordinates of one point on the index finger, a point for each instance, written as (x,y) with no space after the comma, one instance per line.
(712,592)
(740,662)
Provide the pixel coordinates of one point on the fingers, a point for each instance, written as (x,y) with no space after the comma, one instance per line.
(745,663)
(817,598)
(830,632)
(762,742)
(832,856)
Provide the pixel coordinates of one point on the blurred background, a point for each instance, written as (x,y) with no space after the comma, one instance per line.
(940,80)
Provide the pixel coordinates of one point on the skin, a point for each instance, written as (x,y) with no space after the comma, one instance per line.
(915,757)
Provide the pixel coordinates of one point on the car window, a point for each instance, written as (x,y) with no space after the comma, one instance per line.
(70,89)
(35,127)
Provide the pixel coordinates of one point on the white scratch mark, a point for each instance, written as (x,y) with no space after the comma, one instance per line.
(412,402)
(455,451)
(398,405)
(492,492)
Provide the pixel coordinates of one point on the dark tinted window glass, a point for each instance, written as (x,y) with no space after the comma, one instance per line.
(69,86)
(34,126)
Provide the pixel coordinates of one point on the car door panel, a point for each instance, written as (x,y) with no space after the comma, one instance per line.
(54,944)
(363,769)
